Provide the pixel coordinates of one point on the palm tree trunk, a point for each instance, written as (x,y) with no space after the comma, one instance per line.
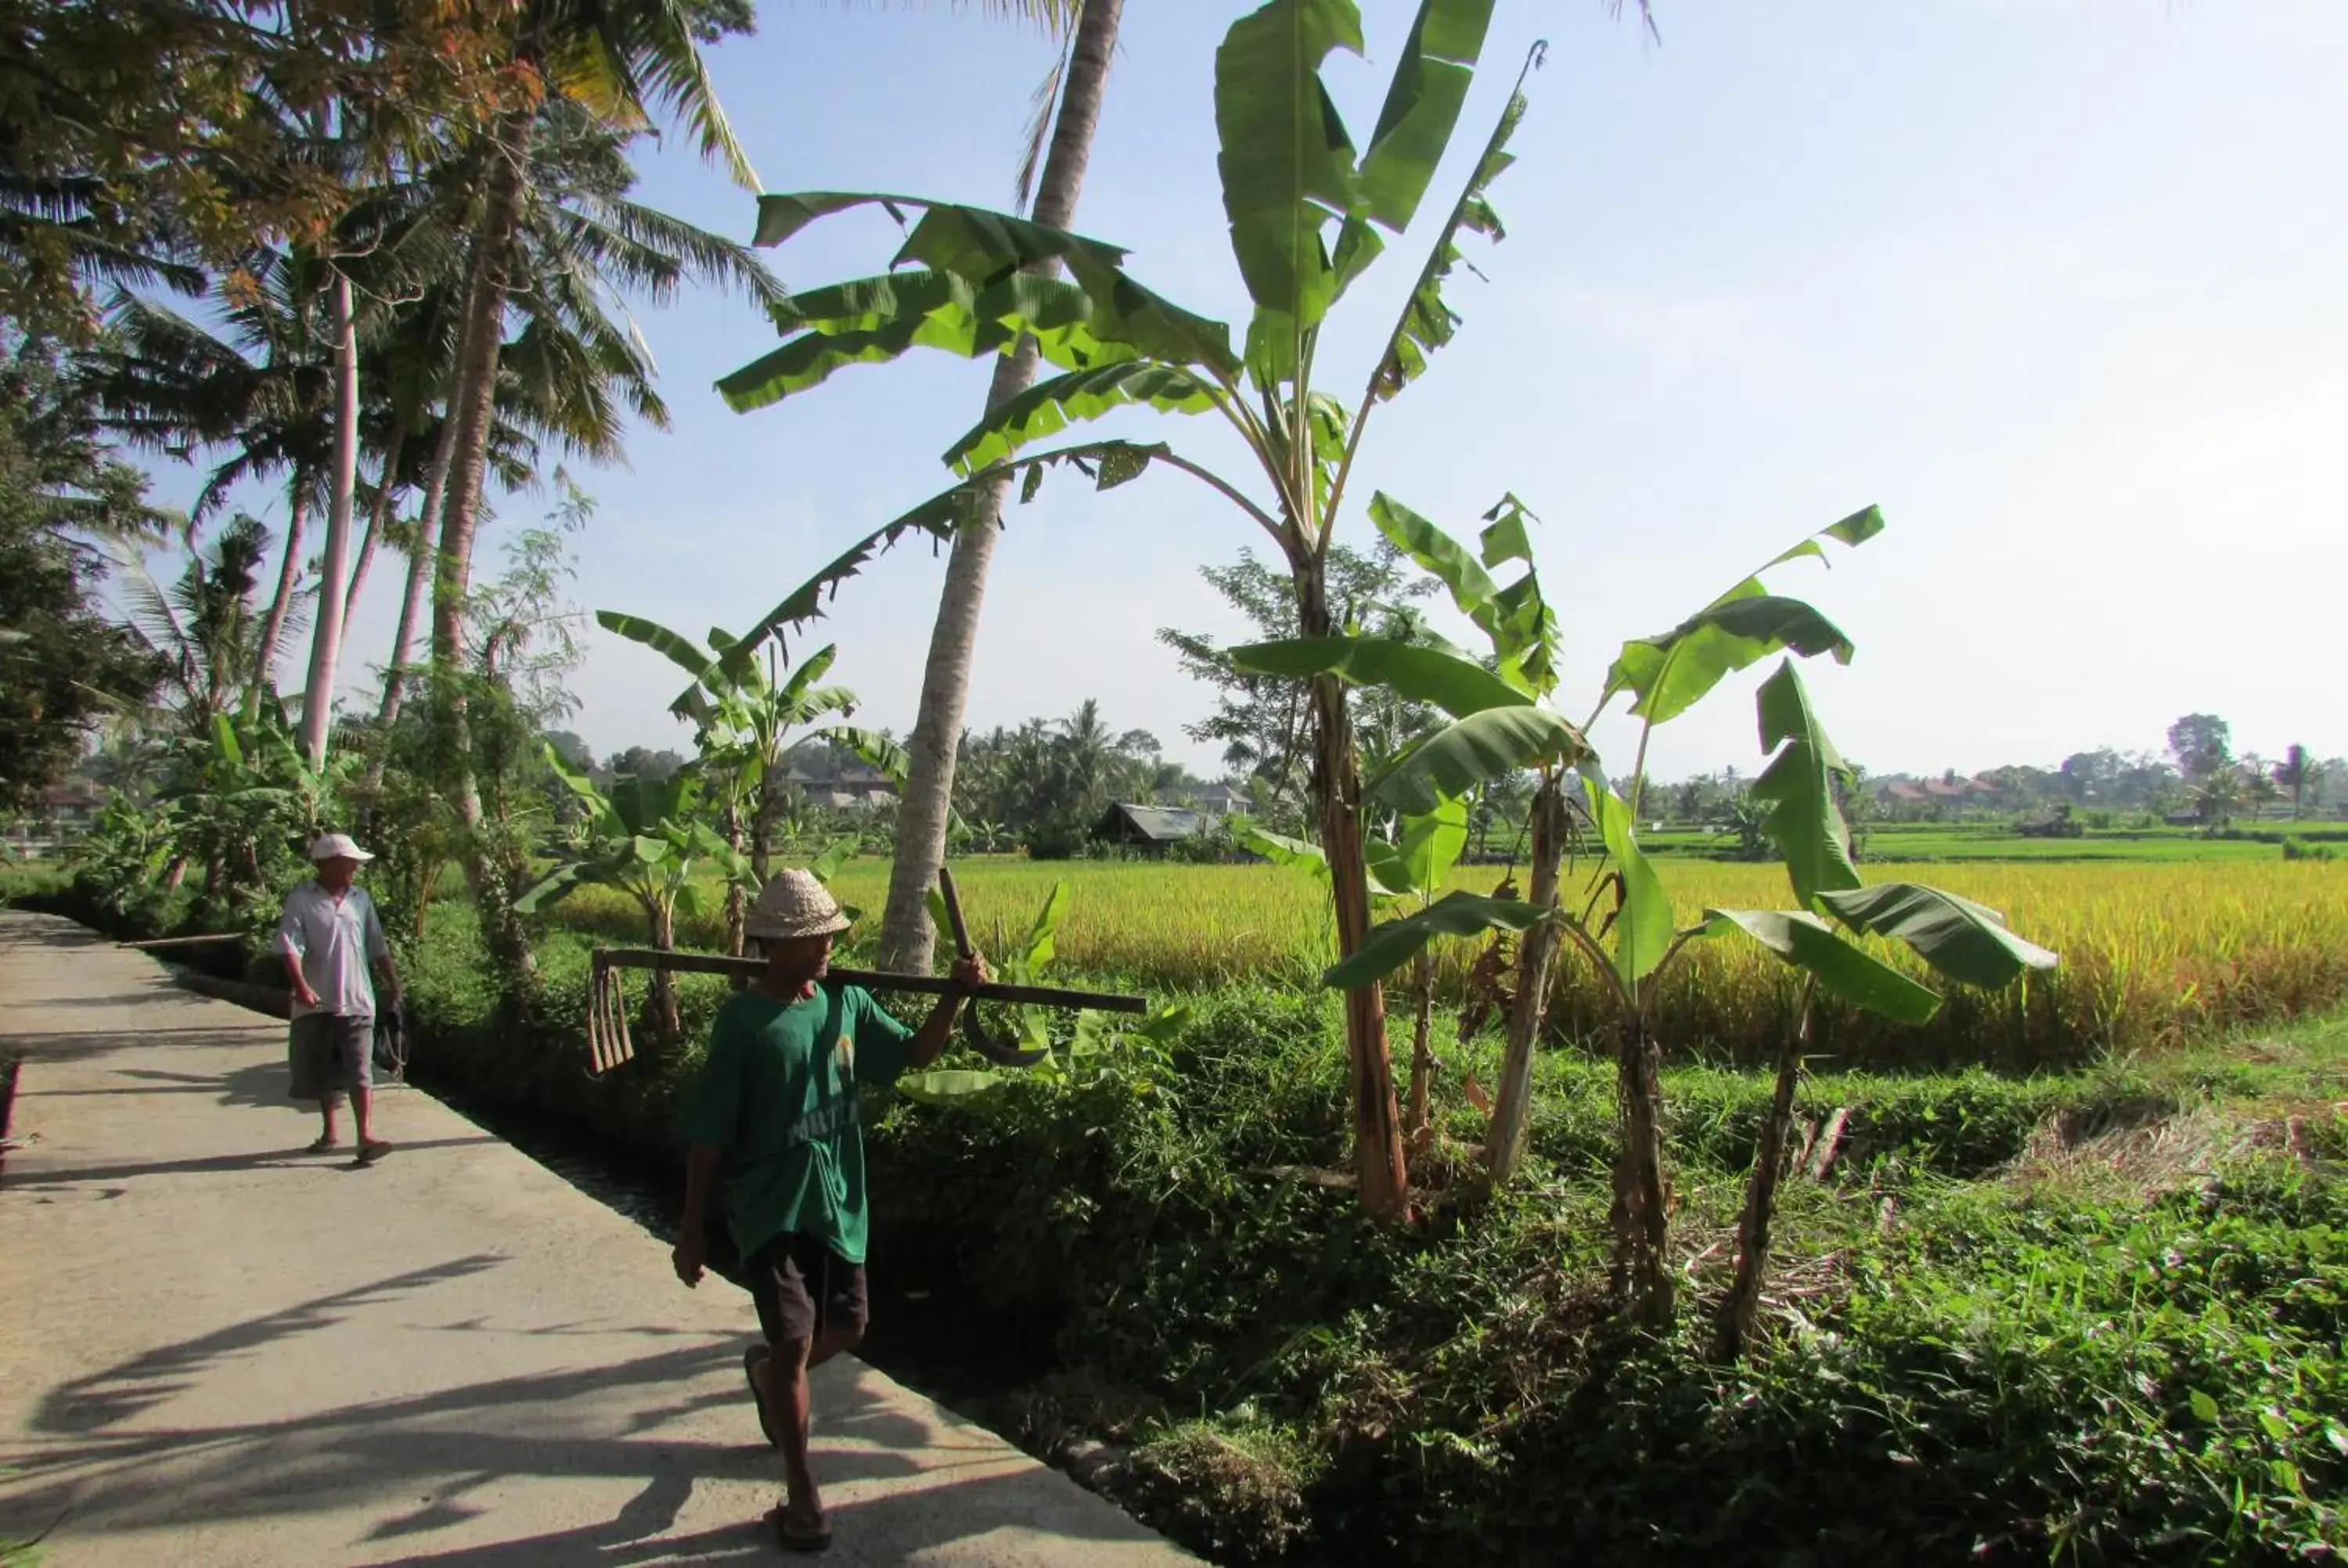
(411,608)
(273,629)
(908,941)
(1504,1143)
(473,402)
(378,521)
(326,632)
(471,409)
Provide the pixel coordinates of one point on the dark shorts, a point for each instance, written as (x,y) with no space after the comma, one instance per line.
(804,1290)
(332,1054)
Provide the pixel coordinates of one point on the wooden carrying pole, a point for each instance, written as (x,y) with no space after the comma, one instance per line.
(607,1023)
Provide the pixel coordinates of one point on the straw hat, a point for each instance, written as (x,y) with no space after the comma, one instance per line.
(794,904)
(336,846)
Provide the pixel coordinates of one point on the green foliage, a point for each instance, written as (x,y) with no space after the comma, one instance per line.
(64,665)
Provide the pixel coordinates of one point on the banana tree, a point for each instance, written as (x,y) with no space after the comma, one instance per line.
(1958,938)
(1407,874)
(1308,215)
(747,717)
(645,838)
(1500,725)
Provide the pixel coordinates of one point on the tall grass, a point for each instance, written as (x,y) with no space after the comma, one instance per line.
(2152,954)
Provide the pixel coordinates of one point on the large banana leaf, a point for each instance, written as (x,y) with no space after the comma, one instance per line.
(1964,940)
(1671,673)
(1287,163)
(870,321)
(1428,321)
(680,649)
(1453,564)
(1422,107)
(1642,924)
(1050,406)
(1809,944)
(1459,686)
(986,248)
(1394,943)
(1292,852)
(1799,785)
(938,516)
(1432,842)
(1474,750)
(557,884)
(944,1085)
(603,822)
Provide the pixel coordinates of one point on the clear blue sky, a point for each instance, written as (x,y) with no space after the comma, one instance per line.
(2056,282)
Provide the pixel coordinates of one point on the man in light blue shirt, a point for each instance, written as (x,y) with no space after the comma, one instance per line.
(330,938)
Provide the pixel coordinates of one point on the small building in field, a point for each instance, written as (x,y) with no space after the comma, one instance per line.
(1148,828)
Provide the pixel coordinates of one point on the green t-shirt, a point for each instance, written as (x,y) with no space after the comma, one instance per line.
(778,1095)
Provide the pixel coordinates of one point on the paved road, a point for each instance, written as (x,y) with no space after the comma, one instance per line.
(217,1350)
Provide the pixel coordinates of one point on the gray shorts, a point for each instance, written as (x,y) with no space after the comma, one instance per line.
(332,1054)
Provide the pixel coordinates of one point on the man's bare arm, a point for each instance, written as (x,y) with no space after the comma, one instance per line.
(928,1041)
(701,1166)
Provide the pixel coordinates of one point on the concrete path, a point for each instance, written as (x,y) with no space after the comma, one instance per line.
(217,1350)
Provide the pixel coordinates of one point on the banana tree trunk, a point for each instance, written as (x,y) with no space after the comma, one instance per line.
(1416,1127)
(908,941)
(1378,1157)
(273,630)
(1504,1142)
(666,1024)
(1739,1311)
(326,630)
(378,522)
(762,825)
(1642,1216)
(737,914)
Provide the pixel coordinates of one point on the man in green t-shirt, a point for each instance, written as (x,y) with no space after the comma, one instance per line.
(774,1116)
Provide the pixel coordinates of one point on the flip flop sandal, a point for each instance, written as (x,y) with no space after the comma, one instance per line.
(751,1358)
(797,1533)
(370,1153)
(324,1146)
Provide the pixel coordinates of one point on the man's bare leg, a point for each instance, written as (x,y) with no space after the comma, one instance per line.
(783,1385)
(362,1104)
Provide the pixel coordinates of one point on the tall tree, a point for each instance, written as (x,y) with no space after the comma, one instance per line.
(2202,745)
(1262,721)
(2297,772)
(907,937)
(627,57)
(63,664)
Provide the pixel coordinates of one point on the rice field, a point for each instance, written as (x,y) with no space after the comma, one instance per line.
(2153,954)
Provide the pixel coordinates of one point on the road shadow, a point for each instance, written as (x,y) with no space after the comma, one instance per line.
(416,1464)
(252,1159)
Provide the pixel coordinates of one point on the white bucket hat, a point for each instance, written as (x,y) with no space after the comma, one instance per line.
(794,904)
(336,846)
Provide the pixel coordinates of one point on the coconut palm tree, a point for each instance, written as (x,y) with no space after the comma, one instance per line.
(206,625)
(262,389)
(616,59)
(907,937)
(2298,773)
